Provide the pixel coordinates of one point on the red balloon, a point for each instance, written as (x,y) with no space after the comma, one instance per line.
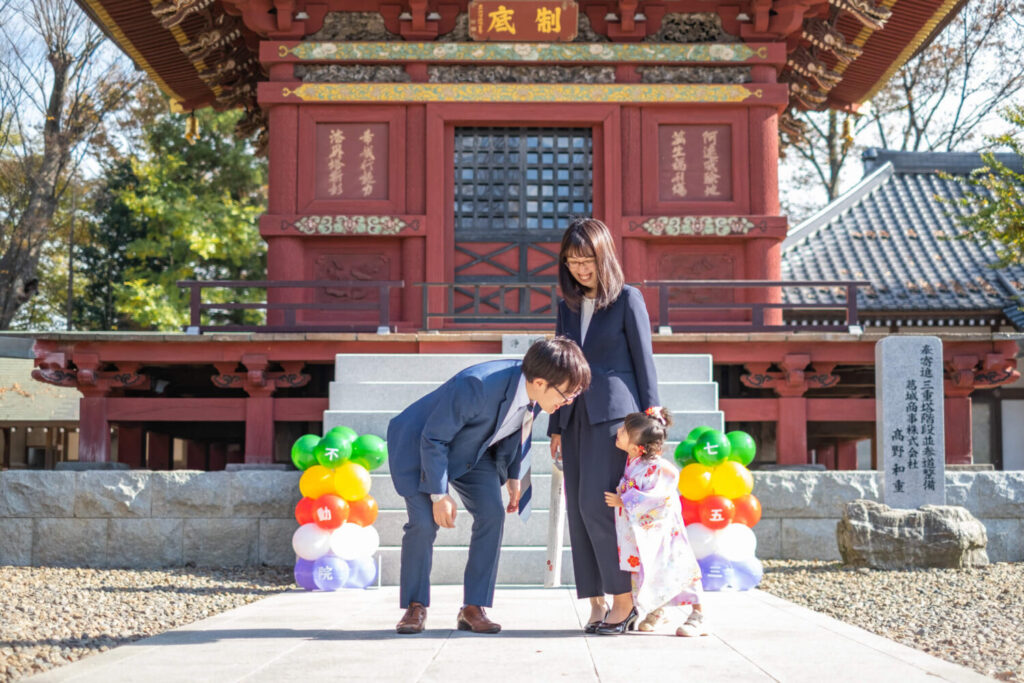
(330,511)
(691,510)
(363,511)
(304,511)
(716,512)
(748,510)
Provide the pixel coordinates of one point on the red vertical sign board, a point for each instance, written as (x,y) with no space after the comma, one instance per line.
(694,163)
(523,21)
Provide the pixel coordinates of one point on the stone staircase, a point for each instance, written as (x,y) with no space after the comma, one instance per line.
(370,389)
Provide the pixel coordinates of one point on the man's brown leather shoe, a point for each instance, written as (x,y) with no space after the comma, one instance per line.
(472,618)
(413,620)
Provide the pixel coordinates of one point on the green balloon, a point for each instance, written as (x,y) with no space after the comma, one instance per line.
(712,448)
(302,451)
(332,450)
(347,433)
(698,432)
(684,452)
(370,451)
(743,447)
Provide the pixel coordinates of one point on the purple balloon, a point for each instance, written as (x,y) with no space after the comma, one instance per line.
(748,573)
(362,572)
(717,573)
(304,574)
(330,572)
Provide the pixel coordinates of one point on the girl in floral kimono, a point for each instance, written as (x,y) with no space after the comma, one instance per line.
(649,525)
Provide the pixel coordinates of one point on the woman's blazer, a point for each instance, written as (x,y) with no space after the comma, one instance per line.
(618,349)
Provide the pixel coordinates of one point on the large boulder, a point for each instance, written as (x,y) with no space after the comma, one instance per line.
(874,535)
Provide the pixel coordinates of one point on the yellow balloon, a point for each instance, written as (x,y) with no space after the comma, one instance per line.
(352,481)
(695,481)
(732,480)
(316,481)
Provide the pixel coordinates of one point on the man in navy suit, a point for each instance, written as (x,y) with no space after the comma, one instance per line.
(467,435)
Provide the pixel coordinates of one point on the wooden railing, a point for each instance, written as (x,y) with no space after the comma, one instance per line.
(757,308)
(760,314)
(288,322)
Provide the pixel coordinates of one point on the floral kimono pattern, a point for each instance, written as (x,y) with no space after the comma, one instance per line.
(652,538)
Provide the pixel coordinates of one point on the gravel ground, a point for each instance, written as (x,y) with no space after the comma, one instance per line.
(973,617)
(52,616)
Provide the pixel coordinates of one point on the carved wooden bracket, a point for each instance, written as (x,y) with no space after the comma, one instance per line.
(966,373)
(626,21)
(419,22)
(85,375)
(769,20)
(279,18)
(794,379)
(256,381)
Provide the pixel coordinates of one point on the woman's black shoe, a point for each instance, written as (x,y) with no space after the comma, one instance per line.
(591,627)
(627,624)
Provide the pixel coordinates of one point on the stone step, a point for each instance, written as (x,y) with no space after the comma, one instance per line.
(376,422)
(438,367)
(383,491)
(533,533)
(389,395)
(517,565)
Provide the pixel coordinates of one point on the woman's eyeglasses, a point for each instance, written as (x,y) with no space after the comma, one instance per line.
(580,262)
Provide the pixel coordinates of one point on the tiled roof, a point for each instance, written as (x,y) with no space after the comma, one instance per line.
(892,231)
(24,400)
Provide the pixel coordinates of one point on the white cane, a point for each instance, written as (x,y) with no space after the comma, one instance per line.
(556,523)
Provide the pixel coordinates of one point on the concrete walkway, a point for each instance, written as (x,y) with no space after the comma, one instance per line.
(349,637)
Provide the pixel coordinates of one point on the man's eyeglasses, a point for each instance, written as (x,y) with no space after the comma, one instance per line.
(567,399)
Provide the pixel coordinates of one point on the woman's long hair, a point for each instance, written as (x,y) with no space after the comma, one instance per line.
(585,237)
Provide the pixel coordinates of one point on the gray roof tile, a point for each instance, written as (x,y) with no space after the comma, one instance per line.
(891,230)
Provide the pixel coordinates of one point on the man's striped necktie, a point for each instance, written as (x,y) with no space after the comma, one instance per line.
(525,490)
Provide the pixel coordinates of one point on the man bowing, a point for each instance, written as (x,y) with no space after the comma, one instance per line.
(471,434)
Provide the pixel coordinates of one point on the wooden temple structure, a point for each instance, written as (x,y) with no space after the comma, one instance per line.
(424,157)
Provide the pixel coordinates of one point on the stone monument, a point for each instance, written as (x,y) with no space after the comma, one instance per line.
(909,421)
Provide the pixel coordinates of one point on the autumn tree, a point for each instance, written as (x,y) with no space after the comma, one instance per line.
(940,100)
(992,209)
(176,210)
(60,79)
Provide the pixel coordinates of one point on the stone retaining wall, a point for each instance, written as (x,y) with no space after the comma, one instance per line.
(139,518)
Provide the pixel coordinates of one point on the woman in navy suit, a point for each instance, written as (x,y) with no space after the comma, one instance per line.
(609,320)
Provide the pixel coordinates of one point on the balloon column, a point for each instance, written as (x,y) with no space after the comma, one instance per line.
(336,542)
(719,509)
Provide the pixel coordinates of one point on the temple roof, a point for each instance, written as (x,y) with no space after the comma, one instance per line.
(893,230)
(203,52)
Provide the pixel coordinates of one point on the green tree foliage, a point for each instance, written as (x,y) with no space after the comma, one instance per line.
(176,211)
(993,211)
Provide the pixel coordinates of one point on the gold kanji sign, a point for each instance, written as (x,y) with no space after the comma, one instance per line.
(528,21)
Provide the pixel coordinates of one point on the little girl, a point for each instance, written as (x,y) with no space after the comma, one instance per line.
(649,525)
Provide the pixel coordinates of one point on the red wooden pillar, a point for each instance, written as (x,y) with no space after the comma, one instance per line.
(959,450)
(196,455)
(846,455)
(131,444)
(791,431)
(259,429)
(159,456)
(93,430)
(826,455)
(218,455)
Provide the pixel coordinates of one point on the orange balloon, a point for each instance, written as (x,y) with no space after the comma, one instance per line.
(363,511)
(691,510)
(748,510)
(716,512)
(304,511)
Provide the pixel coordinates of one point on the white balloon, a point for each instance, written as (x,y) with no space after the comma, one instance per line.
(736,542)
(310,542)
(702,540)
(369,541)
(346,541)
